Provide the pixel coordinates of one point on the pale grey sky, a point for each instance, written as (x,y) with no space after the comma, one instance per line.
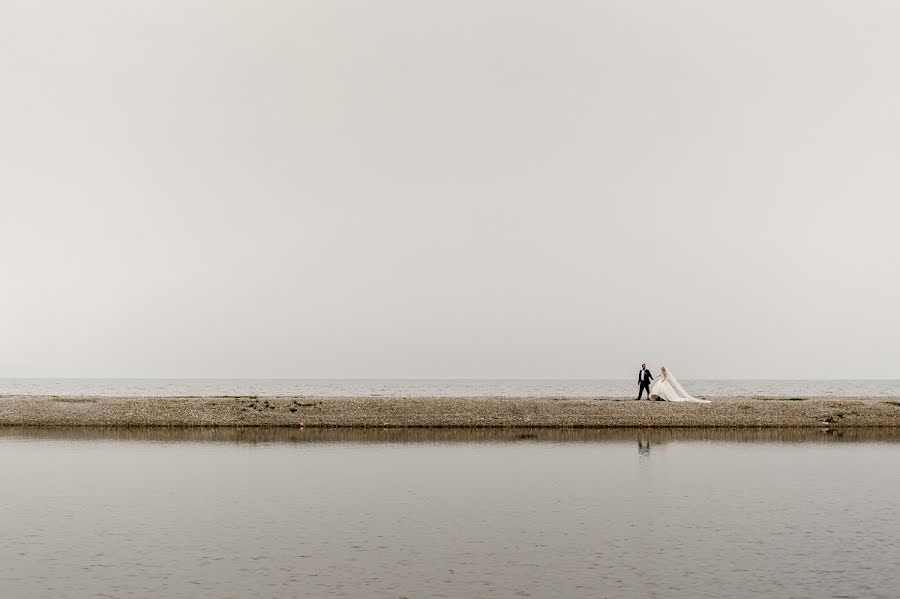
(449,188)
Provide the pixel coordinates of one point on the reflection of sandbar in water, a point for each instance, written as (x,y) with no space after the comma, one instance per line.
(644,437)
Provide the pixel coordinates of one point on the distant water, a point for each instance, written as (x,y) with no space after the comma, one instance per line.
(436,388)
(387,514)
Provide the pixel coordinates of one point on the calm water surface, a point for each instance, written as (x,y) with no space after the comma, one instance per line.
(433,388)
(257,513)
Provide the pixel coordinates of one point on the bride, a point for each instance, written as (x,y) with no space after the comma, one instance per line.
(666,388)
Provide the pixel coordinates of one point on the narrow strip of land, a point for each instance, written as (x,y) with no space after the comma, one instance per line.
(364,412)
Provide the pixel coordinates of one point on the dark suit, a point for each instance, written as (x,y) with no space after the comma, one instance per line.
(644,378)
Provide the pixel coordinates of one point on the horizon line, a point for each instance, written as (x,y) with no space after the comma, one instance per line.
(585,379)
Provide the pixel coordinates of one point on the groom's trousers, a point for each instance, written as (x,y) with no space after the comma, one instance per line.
(644,387)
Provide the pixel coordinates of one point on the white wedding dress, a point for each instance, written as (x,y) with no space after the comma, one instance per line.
(667,388)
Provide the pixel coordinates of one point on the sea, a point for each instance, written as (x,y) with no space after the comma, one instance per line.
(438,387)
(362,513)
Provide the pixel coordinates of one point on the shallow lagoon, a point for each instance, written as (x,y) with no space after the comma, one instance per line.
(474,513)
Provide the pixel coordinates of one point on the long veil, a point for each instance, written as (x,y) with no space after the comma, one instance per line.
(679,390)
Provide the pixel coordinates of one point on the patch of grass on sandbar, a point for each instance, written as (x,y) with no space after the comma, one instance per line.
(837,416)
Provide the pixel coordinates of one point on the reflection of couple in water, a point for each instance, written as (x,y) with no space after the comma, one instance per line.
(664,388)
(644,448)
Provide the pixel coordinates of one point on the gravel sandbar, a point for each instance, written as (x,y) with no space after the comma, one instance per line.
(597,412)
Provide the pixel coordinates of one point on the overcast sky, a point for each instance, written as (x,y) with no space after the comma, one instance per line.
(449,188)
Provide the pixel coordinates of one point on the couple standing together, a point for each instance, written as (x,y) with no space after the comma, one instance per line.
(664,388)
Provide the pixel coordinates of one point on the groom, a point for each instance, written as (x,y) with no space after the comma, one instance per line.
(644,378)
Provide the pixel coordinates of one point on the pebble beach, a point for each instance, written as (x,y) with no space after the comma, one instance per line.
(440,412)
